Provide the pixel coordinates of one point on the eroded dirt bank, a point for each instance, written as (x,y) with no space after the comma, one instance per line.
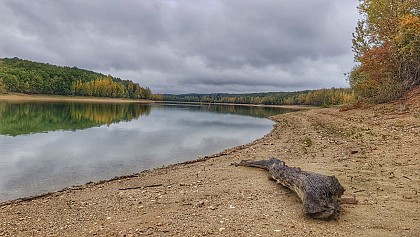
(375,153)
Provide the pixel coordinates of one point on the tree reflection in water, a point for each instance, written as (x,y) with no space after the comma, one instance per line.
(25,118)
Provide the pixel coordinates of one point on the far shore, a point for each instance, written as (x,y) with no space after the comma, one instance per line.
(20,97)
(297,107)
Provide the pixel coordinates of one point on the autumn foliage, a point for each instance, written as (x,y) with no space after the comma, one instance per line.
(387,49)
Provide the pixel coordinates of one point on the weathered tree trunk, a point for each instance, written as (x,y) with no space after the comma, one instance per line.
(319,193)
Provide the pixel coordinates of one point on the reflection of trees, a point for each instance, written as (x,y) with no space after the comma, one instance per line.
(254,111)
(25,118)
(107,113)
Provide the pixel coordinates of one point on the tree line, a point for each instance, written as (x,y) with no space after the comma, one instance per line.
(321,97)
(24,76)
(386,47)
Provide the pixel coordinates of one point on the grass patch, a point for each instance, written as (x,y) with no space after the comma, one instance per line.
(307,142)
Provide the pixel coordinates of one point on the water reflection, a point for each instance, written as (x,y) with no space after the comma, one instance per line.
(91,142)
(245,110)
(25,118)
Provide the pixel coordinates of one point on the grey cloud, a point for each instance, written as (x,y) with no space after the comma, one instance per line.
(188,45)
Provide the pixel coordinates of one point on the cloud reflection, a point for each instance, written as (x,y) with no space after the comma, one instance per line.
(50,161)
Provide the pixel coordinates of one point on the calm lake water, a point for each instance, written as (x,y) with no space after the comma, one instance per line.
(49,146)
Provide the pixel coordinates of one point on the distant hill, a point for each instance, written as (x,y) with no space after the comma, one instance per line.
(24,76)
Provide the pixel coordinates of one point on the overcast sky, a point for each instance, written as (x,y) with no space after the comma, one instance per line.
(182,46)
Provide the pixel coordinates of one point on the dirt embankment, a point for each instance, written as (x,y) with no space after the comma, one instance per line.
(375,153)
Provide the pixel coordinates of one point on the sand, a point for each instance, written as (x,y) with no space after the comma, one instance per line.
(374,152)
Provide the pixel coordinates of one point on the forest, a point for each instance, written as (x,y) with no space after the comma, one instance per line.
(24,76)
(386,47)
(321,97)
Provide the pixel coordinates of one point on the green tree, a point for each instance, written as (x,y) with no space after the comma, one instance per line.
(2,87)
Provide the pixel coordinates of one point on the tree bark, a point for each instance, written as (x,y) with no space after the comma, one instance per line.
(319,193)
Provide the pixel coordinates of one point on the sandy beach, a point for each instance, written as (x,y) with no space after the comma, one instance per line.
(374,152)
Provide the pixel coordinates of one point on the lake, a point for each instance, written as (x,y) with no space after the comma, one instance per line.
(46,147)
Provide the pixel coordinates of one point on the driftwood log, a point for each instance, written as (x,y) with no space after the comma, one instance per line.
(319,193)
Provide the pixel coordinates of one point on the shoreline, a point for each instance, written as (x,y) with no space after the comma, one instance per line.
(373,153)
(122,177)
(20,97)
(293,107)
(127,176)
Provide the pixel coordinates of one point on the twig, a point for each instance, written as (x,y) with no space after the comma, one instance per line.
(407,177)
(141,187)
